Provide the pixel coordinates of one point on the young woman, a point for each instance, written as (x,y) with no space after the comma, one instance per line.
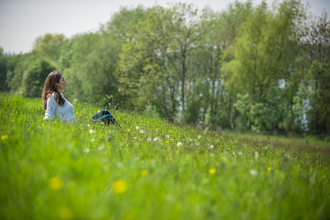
(56,105)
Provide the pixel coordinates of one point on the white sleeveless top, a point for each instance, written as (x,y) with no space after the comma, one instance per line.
(63,113)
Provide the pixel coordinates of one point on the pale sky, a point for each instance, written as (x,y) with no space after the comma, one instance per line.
(22,21)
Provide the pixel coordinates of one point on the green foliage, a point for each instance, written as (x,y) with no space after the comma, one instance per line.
(34,77)
(49,45)
(191,65)
(3,72)
(56,170)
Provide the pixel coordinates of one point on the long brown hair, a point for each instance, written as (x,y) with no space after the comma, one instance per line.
(51,87)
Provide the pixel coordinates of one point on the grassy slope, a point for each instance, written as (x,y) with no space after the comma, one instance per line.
(55,170)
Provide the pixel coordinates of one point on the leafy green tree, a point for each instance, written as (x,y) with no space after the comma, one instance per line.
(3,71)
(35,76)
(315,50)
(155,64)
(263,57)
(49,45)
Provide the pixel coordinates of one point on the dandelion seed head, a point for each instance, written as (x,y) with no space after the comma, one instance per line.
(86,150)
(91,131)
(149,139)
(253,172)
(137,127)
(156,139)
(240,153)
(179,144)
(211,146)
(256,155)
(101,147)
(167,136)
(142,131)
(189,139)
(93,140)
(199,136)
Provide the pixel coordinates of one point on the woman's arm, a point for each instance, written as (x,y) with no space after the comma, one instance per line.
(51,106)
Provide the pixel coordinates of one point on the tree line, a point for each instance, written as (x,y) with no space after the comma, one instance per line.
(252,68)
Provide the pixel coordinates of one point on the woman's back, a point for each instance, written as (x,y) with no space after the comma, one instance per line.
(54,110)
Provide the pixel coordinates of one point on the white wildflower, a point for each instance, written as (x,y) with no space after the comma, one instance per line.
(211,147)
(91,131)
(86,150)
(256,155)
(179,144)
(88,125)
(156,139)
(253,172)
(149,139)
(137,127)
(142,131)
(199,136)
(234,152)
(101,147)
(167,137)
(240,153)
(93,140)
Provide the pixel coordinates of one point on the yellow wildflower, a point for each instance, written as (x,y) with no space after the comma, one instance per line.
(144,173)
(220,145)
(140,154)
(3,137)
(55,183)
(120,186)
(270,168)
(212,171)
(161,143)
(134,138)
(98,111)
(65,213)
(128,130)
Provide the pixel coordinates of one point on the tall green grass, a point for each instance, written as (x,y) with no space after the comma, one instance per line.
(56,170)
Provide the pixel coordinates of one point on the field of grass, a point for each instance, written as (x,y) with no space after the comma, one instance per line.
(150,169)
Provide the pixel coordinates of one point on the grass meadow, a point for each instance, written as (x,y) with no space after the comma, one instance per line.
(151,169)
